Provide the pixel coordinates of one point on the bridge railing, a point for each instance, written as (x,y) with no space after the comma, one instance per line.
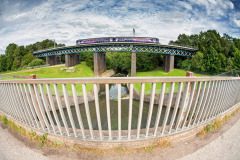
(118,109)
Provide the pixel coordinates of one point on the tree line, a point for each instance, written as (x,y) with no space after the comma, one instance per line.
(16,56)
(216,53)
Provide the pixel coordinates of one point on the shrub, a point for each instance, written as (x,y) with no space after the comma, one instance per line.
(36,62)
(5,120)
(186,64)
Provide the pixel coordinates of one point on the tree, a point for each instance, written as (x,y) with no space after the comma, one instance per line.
(120,62)
(10,55)
(18,53)
(197,62)
(148,61)
(36,62)
(215,51)
(19,56)
(236,59)
(3,63)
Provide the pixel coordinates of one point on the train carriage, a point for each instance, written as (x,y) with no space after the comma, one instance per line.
(118,40)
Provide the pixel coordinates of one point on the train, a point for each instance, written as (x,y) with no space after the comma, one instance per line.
(118,40)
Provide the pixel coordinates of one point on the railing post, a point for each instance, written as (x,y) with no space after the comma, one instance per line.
(108,111)
(95,88)
(79,117)
(169,104)
(140,109)
(60,108)
(150,108)
(130,111)
(119,111)
(52,105)
(86,105)
(176,106)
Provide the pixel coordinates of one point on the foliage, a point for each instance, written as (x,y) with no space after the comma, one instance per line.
(216,53)
(16,57)
(236,59)
(4,120)
(148,61)
(186,64)
(120,62)
(88,58)
(36,62)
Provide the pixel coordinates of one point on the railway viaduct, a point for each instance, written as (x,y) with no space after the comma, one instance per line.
(72,53)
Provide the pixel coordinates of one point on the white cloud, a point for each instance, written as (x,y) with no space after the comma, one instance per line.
(237,22)
(67,22)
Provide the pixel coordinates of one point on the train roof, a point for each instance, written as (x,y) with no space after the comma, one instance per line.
(115,37)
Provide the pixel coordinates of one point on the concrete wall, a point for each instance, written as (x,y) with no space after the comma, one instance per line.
(52,60)
(168,63)
(99,60)
(133,64)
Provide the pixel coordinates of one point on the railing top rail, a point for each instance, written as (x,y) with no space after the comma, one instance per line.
(109,80)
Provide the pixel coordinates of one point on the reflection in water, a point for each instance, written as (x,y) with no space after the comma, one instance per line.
(114,113)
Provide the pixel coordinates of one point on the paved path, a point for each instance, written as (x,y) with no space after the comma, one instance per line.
(13,149)
(225,147)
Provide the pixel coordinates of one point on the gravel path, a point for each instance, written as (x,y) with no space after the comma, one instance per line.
(226,147)
(13,149)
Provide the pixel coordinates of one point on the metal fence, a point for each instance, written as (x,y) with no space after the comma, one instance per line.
(85,109)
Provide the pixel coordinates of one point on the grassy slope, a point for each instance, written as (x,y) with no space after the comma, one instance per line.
(81,70)
(160,72)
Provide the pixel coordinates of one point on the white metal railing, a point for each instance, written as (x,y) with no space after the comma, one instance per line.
(82,107)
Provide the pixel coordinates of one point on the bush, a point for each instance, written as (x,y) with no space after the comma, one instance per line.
(186,64)
(5,120)
(88,58)
(36,62)
(148,61)
(119,62)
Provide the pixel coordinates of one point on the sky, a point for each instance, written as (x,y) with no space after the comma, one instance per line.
(28,21)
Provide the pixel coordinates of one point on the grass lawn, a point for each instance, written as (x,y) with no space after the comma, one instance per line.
(81,70)
(161,73)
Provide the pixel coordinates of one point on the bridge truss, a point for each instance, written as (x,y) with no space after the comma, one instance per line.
(119,47)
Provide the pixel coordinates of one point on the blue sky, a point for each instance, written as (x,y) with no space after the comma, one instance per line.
(27,21)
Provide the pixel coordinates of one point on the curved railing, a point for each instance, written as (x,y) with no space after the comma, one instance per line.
(117,109)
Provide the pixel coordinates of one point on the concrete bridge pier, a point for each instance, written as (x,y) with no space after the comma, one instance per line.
(133,64)
(168,63)
(72,60)
(52,60)
(99,60)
